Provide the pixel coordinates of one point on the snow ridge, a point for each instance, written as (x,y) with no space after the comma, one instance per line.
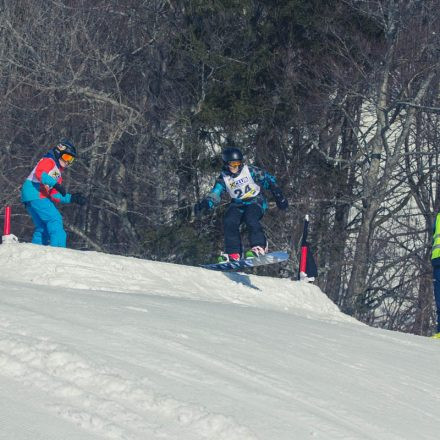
(95,347)
(97,271)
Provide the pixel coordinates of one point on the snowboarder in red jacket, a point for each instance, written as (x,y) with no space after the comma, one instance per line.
(43,190)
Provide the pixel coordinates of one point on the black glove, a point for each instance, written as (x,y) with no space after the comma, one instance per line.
(60,189)
(280,200)
(78,198)
(201,208)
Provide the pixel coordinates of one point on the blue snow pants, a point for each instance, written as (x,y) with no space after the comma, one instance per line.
(48,223)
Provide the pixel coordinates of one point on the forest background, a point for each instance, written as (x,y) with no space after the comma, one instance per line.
(336,98)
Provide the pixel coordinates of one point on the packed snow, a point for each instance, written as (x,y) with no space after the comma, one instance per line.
(96,346)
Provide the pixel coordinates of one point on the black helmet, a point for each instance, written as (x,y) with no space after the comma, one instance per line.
(65,146)
(230,154)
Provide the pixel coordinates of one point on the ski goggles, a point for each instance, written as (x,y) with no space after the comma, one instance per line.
(234,163)
(68,158)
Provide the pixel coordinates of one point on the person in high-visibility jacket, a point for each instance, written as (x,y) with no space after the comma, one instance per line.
(43,190)
(435,260)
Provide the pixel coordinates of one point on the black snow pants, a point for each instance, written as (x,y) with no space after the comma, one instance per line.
(436,273)
(234,216)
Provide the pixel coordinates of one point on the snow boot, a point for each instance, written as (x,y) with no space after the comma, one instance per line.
(255,252)
(224,258)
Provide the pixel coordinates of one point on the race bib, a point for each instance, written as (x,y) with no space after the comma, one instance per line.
(242,186)
(54,172)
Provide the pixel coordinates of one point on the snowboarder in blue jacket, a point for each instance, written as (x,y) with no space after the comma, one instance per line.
(43,190)
(244,184)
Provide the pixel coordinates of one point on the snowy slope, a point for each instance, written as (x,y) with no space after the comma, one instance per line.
(95,346)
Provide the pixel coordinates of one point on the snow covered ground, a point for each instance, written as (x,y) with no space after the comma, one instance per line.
(95,346)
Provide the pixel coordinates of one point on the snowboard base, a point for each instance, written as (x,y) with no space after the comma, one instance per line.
(270,258)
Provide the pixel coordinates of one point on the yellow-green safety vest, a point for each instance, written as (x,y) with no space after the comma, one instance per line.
(436,239)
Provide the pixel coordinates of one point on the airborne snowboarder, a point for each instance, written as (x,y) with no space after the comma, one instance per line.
(244,184)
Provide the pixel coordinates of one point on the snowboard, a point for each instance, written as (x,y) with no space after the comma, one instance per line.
(271,258)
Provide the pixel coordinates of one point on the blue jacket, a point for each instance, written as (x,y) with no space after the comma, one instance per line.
(261,178)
